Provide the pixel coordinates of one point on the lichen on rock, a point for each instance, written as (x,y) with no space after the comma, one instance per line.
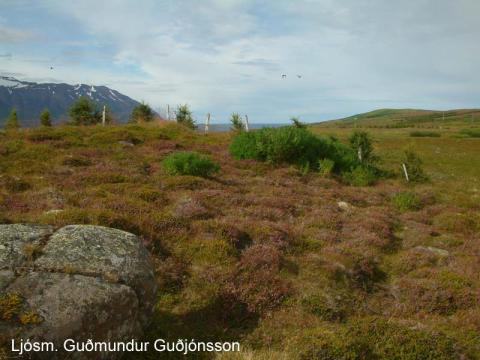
(80,282)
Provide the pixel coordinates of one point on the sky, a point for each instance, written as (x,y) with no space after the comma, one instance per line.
(224,56)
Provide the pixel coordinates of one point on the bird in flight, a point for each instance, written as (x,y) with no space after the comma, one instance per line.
(299,76)
(51,67)
(284,76)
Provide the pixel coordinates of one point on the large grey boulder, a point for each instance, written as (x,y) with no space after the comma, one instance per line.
(79,282)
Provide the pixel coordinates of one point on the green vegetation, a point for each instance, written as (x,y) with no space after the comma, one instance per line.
(360,176)
(424,134)
(84,112)
(325,167)
(141,113)
(473,133)
(45,118)
(297,123)
(237,123)
(361,143)
(189,163)
(408,118)
(405,201)
(291,145)
(414,166)
(184,117)
(11,123)
(293,267)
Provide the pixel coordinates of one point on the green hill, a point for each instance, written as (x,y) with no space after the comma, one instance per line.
(405,118)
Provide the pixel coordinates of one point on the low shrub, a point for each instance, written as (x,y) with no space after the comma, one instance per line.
(189,163)
(360,176)
(15,184)
(365,273)
(76,161)
(442,292)
(424,134)
(405,201)
(326,306)
(473,133)
(256,282)
(292,145)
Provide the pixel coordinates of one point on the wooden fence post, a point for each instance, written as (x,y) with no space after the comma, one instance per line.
(246,123)
(405,171)
(207,123)
(103,115)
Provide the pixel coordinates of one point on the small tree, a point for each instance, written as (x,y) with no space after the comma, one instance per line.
(84,112)
(237,123)
(184,116)
(297,123)
(45,118)
(12,121)
(414,166)
(361,142)
(141,113)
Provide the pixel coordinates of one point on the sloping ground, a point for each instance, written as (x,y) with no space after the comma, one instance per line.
(404,118)
(293,266)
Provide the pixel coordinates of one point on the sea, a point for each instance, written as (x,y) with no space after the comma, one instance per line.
(226,127)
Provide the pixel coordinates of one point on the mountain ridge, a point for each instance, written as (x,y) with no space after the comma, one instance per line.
(30,98)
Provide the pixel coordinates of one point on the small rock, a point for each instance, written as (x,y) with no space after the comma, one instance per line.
(433,250)
(126,143)
(54,212)
(344,206)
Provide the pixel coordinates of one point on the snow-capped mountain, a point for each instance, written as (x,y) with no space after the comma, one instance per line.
(31,98)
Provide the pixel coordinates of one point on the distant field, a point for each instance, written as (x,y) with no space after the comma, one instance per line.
(452,161)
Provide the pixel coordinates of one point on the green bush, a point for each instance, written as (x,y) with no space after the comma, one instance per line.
(189,163)
(84,112)
(405,201)
(424,134)
(360,176)
(184,117)
(11,123)
(141,113)
(237,123)
(45,118)
(361,143)
(292,145)
(414,167)
(473,133)
(297,123)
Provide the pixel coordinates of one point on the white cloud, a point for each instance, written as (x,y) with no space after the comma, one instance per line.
(13,35)
(223,56)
